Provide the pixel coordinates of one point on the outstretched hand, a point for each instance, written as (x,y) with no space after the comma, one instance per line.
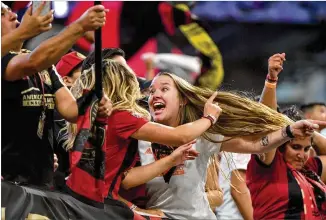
(35,24)
(305,128)
(183,153)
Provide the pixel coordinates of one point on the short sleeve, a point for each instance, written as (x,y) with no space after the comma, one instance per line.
(213,147)
(314,164)
(257,169)
(127,123)
(5,61)
(240,161)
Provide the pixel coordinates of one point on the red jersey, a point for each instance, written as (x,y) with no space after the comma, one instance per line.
(121,149)
(275,193)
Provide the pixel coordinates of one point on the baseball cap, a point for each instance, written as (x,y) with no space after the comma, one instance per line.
(68,62)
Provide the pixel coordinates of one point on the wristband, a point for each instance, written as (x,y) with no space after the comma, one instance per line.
(56,85)
(133,207)
(270,85)
(270,79)
(211,118)
(289,132)
(56,80)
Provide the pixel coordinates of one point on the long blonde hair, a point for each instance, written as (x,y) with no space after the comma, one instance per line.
(119,84)
(240,116)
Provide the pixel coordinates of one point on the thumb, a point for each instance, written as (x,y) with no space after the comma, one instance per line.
(283,55)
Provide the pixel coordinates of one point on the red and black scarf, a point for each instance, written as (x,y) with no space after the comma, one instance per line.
(309,186)
(87,157)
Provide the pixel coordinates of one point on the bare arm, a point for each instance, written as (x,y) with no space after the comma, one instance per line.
(241,198)
(256,145)
(66,104)
(142,174)
(161,134)
(11,41)
(135,208)
(268,96)
(275,66)
(319,142)
(48,53)
(150,68)
(266,143)
(51,50)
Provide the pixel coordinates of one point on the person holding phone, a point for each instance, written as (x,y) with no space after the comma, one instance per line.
(31,89)
(30,26)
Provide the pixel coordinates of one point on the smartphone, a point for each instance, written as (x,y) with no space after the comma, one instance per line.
(37,4)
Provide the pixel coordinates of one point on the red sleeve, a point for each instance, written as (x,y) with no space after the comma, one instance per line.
(314,164)
(257,170)
(126,123)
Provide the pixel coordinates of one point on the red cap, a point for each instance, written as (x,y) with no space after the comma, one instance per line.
(68,62)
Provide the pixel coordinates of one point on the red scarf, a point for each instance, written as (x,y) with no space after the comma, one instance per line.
(306,184)
(87,156)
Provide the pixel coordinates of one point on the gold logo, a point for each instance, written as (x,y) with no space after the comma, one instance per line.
(46,77)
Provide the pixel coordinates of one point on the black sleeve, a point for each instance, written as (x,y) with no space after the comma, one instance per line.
(319,165)
(55,79)
(5,61)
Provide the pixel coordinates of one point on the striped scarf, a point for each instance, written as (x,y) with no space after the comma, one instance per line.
(306,184)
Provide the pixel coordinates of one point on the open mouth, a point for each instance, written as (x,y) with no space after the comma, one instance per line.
(158,107)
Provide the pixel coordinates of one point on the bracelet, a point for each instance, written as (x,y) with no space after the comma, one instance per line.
(270,79)
(270,85)
(211,118)
(133,207)
(289,132)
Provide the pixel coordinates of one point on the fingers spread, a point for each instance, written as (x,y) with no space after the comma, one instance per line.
(39,9)
(47,16)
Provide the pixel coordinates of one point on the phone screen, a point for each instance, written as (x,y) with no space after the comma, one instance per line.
(37,4)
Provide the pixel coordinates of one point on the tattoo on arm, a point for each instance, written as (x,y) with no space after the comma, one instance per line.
(264,141)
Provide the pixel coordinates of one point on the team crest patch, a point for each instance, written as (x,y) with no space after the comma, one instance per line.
(45,76)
